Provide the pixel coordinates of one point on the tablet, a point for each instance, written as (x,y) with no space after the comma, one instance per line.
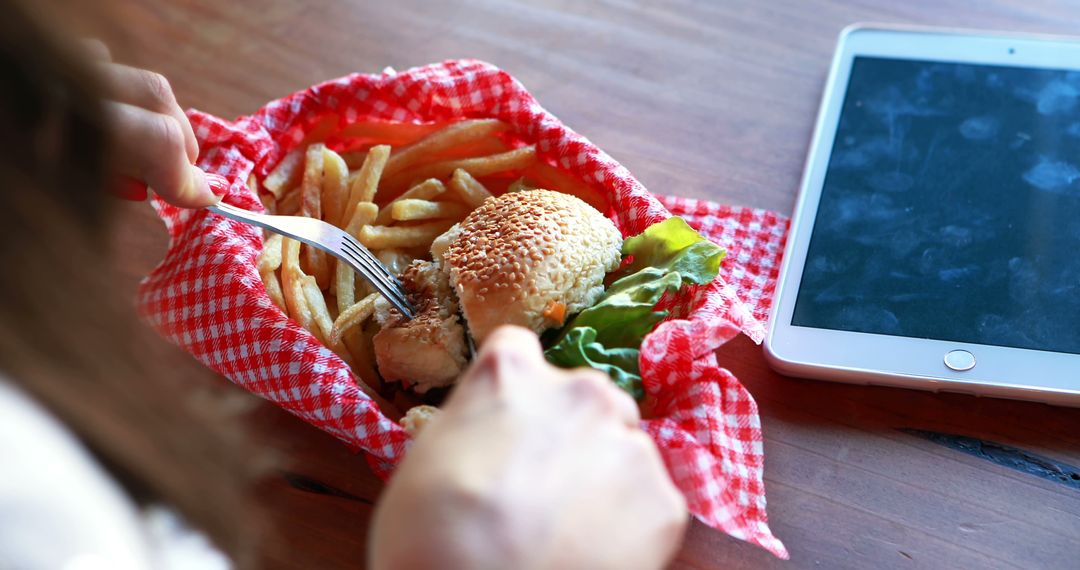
(936,239)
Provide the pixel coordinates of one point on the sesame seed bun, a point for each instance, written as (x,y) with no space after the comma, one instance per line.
(519,255)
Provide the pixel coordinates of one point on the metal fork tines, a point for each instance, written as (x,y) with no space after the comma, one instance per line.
(332,240)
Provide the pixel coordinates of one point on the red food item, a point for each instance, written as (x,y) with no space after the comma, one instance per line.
(206,295)
(555,312)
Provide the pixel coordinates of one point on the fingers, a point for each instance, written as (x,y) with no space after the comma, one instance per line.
(155,140)
(508,355)
(512,355)
(150,91)
(648,456)
(151,147)
(518,345)
(96,49)
(591,387)
(661,507)
(669,500)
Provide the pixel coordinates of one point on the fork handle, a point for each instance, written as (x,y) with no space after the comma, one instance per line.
(257,220)
(242,215)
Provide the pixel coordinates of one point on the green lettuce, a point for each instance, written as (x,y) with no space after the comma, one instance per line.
(607,336)
(579,348)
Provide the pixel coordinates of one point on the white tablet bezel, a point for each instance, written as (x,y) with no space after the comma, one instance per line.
(899,361)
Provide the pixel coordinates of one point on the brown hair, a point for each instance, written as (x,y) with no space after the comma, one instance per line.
(67,337)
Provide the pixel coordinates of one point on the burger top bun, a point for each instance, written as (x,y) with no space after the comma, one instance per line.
(529,258)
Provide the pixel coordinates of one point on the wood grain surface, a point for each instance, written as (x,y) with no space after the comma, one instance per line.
(704,99)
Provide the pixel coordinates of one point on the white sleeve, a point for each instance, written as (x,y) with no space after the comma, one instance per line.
(58,507)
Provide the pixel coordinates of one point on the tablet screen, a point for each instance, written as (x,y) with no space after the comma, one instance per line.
(951,207)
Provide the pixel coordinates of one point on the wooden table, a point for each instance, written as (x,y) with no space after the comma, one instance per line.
(705,99)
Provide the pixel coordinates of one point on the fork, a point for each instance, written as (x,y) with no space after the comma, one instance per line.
(332,240)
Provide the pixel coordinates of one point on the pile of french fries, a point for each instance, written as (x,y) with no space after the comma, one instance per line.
(397,188)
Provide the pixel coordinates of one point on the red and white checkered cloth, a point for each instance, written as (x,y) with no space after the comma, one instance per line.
(206,295)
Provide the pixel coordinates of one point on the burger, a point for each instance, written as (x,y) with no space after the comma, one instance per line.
(539,259)
(528,258)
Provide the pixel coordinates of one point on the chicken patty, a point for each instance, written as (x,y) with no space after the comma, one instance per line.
(430,350)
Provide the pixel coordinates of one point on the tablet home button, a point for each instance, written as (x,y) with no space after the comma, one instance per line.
(959,360)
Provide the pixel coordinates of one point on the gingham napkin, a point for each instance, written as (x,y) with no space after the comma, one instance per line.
(206,295)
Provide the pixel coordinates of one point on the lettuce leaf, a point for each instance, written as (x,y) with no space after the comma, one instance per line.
(607,336)
(580,349)
(673,246)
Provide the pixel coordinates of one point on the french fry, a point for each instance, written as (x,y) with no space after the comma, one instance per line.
(316,263)
(364,214)
(292,286)
(344,286)
(269,202)
(325,322)
(389,133)
(482,147)
(352,316)
(362,288)
(365,185)
(290,168)
(286,174)
(270,256)
(425,190)
(455,135)
(318,132)
(319,312)
(379,237)
(468,189)
(335,193)
(289,204)
(411,209)
(358,340)
(551,178)
(311,185)
(478,167)
(273,289)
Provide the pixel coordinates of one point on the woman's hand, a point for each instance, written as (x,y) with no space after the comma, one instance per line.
(529,466)
(155,144)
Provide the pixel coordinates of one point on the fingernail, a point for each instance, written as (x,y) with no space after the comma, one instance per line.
(219,185)
(201,187)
